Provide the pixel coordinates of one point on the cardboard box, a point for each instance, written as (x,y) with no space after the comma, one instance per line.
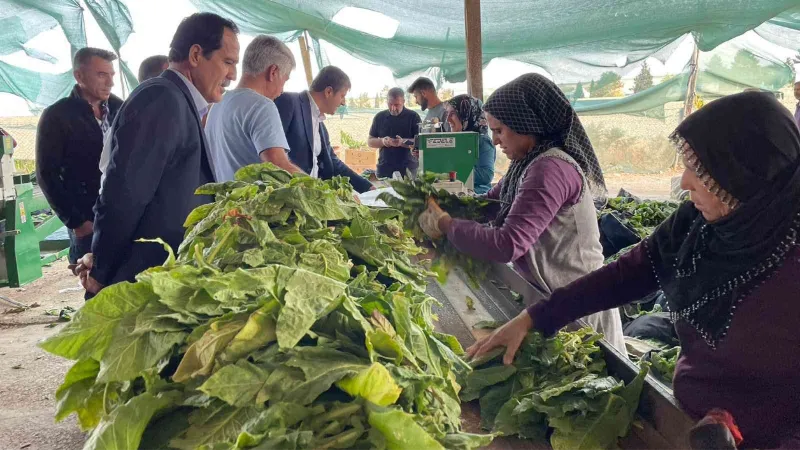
(361,157)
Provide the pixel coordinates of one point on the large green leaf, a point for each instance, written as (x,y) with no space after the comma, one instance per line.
(466,441)
(123,428)
(401,431)
(318,368)
(219,423)
(242,384)
(80,395)
(374,384)
(89,333)
(318,204)
(257,332)
(483,378)
(308,297)
(158,317)
(199,357)
(130,354)
(324,258)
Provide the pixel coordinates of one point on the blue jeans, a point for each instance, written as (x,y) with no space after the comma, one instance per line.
(78,246)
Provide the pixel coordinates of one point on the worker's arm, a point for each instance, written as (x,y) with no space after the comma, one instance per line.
(547,187)
(277,156)
(143,145)
(629,278)
(375,142)
(359,183)
(50,143)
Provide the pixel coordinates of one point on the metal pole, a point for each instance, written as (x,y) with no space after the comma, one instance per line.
(306,57)
(692,85)
(472,24)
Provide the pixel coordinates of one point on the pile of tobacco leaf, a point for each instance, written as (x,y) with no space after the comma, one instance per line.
(642,216)
(558,384)
(414,195)
(664,362)
(290,318)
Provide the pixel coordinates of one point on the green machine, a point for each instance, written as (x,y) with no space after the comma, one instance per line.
(450,152)
(25,248)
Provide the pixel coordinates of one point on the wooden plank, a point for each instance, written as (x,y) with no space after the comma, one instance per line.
(306,58)
(472,24)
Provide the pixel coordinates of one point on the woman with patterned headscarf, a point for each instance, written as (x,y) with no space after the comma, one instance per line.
(465,113)
(729,265)
(547,223)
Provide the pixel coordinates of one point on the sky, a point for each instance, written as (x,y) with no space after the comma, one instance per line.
(156,20)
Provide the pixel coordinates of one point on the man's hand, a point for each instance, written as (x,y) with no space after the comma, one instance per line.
(84,265)
(90,284)
(402,144)
(84,230)
(393,142)
(82,269)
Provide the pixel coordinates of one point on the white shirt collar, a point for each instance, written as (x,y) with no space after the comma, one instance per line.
(199,101)
(315,112)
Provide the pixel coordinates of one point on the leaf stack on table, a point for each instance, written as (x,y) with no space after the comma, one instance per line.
(642,216)
(557,384)
(291,317)
(412,201)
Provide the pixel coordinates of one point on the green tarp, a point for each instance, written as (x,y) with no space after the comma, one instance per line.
(574,40)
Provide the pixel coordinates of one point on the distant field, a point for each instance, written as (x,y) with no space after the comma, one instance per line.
(633,151)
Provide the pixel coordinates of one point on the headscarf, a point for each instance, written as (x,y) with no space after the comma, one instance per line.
(470,112)
(747,152)
(533,105)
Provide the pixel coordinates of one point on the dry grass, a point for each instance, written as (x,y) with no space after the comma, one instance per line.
(631,149)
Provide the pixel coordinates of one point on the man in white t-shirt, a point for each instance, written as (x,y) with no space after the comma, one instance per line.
(245,127)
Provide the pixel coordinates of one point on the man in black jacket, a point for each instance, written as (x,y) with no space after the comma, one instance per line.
(159,155)
(302,116)
(68,145)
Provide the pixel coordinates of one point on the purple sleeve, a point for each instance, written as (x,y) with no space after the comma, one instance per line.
(629,278)
(549,184)
(494,192)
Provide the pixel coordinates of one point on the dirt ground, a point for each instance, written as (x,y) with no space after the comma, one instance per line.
(29,376)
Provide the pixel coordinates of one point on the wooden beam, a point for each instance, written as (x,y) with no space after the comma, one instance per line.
(306,58)
(472,24)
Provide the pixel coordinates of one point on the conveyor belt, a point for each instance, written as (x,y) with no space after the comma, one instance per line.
(661,422)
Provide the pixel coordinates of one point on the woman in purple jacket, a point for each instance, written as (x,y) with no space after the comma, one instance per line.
(547,224)
(729,265)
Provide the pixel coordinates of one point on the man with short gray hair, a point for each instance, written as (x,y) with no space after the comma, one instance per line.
(245,127)
(69,142)
(391,132)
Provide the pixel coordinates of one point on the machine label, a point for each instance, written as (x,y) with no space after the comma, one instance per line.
(448,142)
(22,217)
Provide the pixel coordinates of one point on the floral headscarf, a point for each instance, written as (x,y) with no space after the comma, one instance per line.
(470,112)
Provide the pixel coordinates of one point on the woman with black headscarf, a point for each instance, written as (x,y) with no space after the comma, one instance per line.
(465,113)
(729,265)
(547,223)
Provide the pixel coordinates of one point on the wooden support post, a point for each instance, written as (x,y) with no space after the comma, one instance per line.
(306,58)
(692,85)
(472,23)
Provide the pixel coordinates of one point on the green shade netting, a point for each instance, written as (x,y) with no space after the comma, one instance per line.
(573,40)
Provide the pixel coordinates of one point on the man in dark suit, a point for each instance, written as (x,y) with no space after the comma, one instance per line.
(302,116)
(159,155)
